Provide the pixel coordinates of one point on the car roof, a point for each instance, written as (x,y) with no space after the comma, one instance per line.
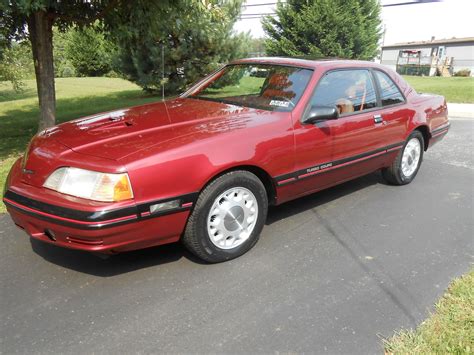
(307,63)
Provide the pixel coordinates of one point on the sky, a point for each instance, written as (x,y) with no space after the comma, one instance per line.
(445,19)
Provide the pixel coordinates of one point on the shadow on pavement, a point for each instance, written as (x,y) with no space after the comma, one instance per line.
(107,266)
(130,261)
(322,197)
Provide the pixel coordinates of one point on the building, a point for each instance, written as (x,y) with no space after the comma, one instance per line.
(435,57)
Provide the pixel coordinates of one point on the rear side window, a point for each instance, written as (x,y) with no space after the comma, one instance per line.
(389,93)
(349,90)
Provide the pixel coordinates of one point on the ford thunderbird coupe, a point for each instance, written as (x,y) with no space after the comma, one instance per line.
(204,167)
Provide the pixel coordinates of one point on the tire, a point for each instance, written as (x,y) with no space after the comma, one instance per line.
(228,217)
(402,172)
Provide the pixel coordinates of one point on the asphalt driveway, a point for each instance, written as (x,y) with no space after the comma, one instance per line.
(333,272)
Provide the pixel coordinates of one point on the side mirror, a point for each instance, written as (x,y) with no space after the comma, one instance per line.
(320,113)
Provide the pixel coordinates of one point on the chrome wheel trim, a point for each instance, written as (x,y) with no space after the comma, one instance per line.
(232,218)
(411,157)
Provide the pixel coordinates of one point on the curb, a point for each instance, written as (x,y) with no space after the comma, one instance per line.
(461,110)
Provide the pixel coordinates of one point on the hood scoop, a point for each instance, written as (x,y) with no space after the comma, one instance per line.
(112,124)
(108,121)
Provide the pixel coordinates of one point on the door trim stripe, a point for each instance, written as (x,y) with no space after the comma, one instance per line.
(332,165)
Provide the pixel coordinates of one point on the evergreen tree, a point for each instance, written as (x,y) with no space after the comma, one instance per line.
(324,28)
(88,51)
(191,42)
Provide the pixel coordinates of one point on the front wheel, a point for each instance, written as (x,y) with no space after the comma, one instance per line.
(408,161)
(228,217)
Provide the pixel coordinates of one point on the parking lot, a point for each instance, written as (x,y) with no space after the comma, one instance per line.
(333,272)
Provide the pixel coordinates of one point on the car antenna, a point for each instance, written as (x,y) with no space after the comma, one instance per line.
(163,80)
(163,71)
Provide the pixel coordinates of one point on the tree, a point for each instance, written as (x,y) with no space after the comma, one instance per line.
(324,28)
(62,65)
(257,47)
(88,51)
(34,19)
(16,64)
(190,44)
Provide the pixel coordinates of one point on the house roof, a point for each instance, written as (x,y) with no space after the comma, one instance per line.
(431,42)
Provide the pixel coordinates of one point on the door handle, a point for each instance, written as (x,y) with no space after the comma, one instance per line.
(378,119)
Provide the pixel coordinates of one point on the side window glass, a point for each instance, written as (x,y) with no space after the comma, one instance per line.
(349,90)
(389,93)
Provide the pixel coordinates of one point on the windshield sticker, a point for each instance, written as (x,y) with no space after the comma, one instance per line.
(280,103)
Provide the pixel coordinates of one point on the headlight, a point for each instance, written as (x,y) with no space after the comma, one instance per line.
(91,185)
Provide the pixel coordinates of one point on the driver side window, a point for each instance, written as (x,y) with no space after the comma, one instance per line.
(349,90)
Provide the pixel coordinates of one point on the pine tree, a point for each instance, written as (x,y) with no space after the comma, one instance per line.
(88,51)
(324,28)
(192,43)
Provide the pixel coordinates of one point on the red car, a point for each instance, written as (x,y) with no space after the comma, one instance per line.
(203,168)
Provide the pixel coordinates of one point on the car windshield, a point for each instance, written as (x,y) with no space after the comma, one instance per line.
(268,87)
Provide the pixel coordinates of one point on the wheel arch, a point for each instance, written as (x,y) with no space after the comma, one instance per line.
(262,174)
(424,130)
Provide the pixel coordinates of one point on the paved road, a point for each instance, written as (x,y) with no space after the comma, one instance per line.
(334,272)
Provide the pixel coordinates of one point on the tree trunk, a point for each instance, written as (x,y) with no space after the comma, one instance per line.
(40,27)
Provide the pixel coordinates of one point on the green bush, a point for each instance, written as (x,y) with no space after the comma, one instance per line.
(463,72)
(67,72)
(112,74)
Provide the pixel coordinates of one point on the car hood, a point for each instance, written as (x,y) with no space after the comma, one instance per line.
(117,134)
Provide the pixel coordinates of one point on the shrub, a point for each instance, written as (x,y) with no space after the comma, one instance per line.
(67,72)
(463,72)
(112,74)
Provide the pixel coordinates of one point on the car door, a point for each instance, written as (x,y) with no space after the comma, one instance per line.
(393,113)
(333,151)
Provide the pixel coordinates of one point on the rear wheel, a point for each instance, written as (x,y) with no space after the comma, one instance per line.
(408,161)
(228,217)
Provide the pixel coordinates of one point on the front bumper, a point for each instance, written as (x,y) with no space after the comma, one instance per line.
(78,224)
(139,234)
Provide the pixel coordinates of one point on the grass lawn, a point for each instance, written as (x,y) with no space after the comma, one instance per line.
(76,97)
(450,330)
(247,85)
(455,89)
